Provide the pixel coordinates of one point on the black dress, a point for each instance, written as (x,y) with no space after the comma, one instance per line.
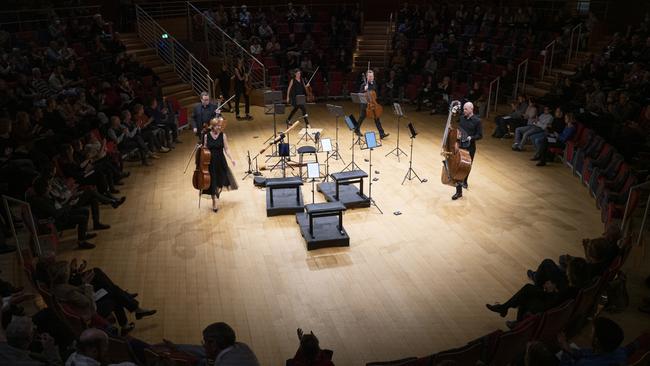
(220,174)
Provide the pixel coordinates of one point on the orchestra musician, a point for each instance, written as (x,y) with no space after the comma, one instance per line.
(297,87)
(369,85)
(220,174)
(471,129)
(241,78)
(202,114)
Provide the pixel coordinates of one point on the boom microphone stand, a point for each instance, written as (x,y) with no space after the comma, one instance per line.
(337,111)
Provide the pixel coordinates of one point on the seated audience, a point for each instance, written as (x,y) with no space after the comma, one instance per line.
(309,352)
(605,346)
(92,350)
(20,336)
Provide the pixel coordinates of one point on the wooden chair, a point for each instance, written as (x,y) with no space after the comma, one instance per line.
(553,322)
(469,354)
(400,362)
(119,351)
(512,344)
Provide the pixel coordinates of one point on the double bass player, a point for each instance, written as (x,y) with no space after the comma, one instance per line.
(470,130)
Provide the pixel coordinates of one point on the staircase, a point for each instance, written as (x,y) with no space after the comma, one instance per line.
(172,85)
(371,46)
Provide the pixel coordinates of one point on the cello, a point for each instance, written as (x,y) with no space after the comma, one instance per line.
(373,108)
(457,162)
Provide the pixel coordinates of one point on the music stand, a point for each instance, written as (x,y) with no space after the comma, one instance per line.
(302,100)
(313,172)
(352,125)
(397,109)
(273,105)
(371,144)
(326,146)
(284,152)
(410,174)
(359,98)
(337,111)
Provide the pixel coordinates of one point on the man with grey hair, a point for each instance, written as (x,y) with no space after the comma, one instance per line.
(92,349)
(202,114)
(471,129)
(20,335)
(220,348)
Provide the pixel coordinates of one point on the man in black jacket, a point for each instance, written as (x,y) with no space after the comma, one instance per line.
(471,129)
(203,113)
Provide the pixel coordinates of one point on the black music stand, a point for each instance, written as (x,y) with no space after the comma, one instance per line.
(313,173)
(359,98)
(273,105)
(337,111)
(397,109)
(371,143)
(411,174)
(302,100)
(352,125)
(284,152)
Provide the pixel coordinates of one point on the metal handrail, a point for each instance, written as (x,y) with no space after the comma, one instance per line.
(172,52)
(548,64)
(496,80)
(389,38)
(625,223)
(578,27)
(215,36)
(523,63)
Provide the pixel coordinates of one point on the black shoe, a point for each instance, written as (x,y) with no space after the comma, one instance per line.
(119,183)
(141,314)
(541,163)
(384,136)
(85,245)
(177,141)
(511,324)
(456,196)
(114,191)
(238,117)
(133,295)
(531,275)
(101,227)
(125,175)
(90,236)
(465,185)
(248,117)
(118,203)
(127,329)
(535,158)
(497,309)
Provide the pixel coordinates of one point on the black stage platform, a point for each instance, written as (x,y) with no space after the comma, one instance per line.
(349,195)
(326,232)
(287,196)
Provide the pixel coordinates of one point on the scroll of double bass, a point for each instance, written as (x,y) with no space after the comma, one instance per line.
(457,162)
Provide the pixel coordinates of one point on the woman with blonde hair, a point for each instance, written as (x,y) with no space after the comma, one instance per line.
(220,174)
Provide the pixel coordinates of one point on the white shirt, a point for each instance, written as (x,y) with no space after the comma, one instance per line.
(77,359)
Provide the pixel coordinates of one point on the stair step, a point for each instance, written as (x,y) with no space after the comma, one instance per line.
(170,80)
(188,100)
(372,37)
(569,66)
(543,85)
(162,69)
(141,51)
(184,94)
(128,35)
(534,91)
(147,58)
(174,88)
(564,72)
(168,76)
(371,42)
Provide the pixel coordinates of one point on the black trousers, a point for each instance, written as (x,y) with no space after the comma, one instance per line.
(472,151)
(362,116)
(75,217)
(92,199)
(293,111)
(530,299)
(239,91)
(116,300)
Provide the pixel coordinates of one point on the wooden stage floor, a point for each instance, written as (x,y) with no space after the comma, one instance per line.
(408,285)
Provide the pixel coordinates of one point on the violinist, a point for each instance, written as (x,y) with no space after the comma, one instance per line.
(241,78)
(471,129)
(369,85)
(297,87)
(202,114)
(220,174)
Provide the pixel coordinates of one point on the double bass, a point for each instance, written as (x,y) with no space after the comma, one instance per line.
(201,177)
(373,108)
(457,162)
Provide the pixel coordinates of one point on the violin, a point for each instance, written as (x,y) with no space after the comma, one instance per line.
(308,89)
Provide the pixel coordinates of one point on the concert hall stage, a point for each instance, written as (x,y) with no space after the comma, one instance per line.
(407,285)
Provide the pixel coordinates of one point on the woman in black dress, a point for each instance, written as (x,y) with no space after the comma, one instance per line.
(220,175)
